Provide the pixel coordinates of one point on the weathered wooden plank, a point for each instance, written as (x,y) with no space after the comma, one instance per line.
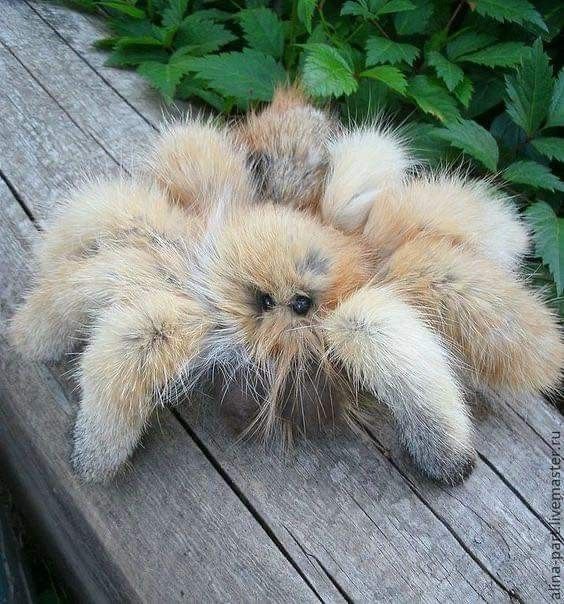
(169,531)
(517,448)
(41,150)
(489,519)
(381,530)
(90,103)
(80,32)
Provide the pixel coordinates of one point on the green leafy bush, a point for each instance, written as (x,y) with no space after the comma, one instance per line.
(467,78)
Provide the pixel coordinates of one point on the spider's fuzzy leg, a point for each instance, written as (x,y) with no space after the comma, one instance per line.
(287,148)
(72,277)
(201,166)
(388,351)
(504,333)
(365,164)
(135,351)
(448,204)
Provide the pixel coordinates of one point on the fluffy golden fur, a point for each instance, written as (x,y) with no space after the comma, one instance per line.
(304,268)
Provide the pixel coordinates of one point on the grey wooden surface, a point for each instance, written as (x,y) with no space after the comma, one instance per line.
(200,517)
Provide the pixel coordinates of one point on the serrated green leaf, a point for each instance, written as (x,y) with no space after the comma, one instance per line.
(326,72)
(433,98)
(383,50)
(395,6)
(162,76)
(213,14)
(191,87)
(202,35)
(124,8)
(470,137)
(124,26)
(391,76)
(135,55)
(263,30)
(357,8)
(138,41)
(174,12)
(556,109)
(466,42)
(548,236)
(449,73)
(305,10)
(106,43)
(246,75)
(425,143)
(529,91)
(505,54)
(533,174)
(514,11)
(550,146)
(414,21)
(464,91)
(488,92)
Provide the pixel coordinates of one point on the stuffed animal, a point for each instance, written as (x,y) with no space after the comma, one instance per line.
(309,267)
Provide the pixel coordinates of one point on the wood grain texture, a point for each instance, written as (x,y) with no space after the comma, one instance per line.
(172,529)
(92,105)
(381,531)
(354,517)
(79,32)
(42,151)
(515,442)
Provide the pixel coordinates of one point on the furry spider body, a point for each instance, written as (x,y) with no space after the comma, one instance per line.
(302,267)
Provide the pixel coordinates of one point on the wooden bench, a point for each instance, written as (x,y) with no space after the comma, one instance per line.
(201,518)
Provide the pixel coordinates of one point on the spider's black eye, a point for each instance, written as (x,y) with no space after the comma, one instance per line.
(301,304)
(266,302)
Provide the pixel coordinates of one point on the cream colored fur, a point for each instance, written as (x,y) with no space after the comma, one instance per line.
(307,266)
(366,165)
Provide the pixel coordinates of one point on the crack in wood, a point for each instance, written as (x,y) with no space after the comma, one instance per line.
(512,593)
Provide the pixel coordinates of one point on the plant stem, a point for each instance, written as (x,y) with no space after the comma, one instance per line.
(290,52)
(454,15)
(380,28)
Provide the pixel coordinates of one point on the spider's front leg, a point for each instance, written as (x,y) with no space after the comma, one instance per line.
(136,349)
(389,352)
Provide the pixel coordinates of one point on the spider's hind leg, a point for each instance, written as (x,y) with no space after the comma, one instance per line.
(387,350)
(201,166)
(136,349)
(504,334)
(287,148)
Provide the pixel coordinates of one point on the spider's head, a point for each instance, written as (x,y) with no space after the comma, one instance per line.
(272,275)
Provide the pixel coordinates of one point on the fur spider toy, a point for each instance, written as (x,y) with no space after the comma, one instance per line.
(306,268)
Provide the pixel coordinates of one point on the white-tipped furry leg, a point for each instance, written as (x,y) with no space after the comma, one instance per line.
(365,164)
(500,331)
(388,351)
(39,331)
(468,211)
(136,351)
(471,210)
(201,166)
